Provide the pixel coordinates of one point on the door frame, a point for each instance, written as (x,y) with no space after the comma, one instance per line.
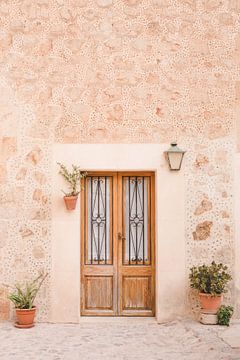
(117,261)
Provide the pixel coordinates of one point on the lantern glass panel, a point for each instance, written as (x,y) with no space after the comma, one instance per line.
(175,160)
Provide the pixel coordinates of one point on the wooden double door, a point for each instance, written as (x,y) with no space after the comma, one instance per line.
(117,244)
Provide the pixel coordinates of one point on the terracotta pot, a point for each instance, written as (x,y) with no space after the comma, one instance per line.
(25,317)
(210,303)
(71,202)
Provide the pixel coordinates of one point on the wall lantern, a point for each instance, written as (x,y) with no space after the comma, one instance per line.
(174,157)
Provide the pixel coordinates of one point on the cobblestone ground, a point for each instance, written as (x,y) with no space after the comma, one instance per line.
(120,339)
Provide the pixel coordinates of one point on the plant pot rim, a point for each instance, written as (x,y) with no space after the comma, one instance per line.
(33,308)
(70,197)
(210,295)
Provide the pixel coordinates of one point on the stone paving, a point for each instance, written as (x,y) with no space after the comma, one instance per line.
(121,339)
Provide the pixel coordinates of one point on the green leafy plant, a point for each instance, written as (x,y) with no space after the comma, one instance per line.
(224,315)
(73,178)
(210,279)
(23,297)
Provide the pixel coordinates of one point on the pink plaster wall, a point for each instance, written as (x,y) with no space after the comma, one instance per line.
(115,71)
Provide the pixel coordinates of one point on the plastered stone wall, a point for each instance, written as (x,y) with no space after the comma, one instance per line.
(116,71)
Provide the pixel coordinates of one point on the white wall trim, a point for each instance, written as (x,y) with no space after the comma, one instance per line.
(170,229)
(237,232)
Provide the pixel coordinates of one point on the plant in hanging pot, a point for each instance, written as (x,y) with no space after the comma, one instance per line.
(23,298)
(73,177)
(211,282)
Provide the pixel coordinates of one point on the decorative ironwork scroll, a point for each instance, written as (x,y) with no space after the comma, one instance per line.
(98,203)
(136,220)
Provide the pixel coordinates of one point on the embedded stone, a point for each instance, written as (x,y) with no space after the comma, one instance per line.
(74,45)
(21,174)
(159,112)
(78,3)
(111,94)
(39,130)
(140,44)
(190,3)
(45,95)
(5,41)
(37,214)
(104,3)
(44,232)
(8,147)
(44,47)
(11,195)
(116,114)
(162,3)
(132,2)
(227,229)
(216,131)
(67,13)
(40,177)
(153,27)
(3,173)
(225,214)
(212,4)
(221,157)
(203,230)
(225,178)
(34,156)
(206,205)
(74,93)
(234,5)
(48,114)
(201,161)
(3,235)
(226,19)
(4,308)
(39,196)
(91,14)
(237,90)
(25,232)
(38,252)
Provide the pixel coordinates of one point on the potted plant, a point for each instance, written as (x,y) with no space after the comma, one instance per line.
(73,178)
(211,282)
(224,315)
(23,299)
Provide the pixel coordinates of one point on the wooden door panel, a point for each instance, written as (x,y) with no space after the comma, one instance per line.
(99,293)
(137,293)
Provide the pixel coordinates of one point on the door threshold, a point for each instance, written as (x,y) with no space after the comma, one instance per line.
(110,319)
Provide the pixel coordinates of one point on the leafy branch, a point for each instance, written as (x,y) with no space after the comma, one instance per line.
(73,177)
(24,297)
(210,279)
(224,315)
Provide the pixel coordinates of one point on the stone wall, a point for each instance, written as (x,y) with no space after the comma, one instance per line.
(115,71)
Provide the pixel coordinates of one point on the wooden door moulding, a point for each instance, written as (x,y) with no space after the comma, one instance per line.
(118,288)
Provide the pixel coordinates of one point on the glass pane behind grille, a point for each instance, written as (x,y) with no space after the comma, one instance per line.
(136,212)
(99,214)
